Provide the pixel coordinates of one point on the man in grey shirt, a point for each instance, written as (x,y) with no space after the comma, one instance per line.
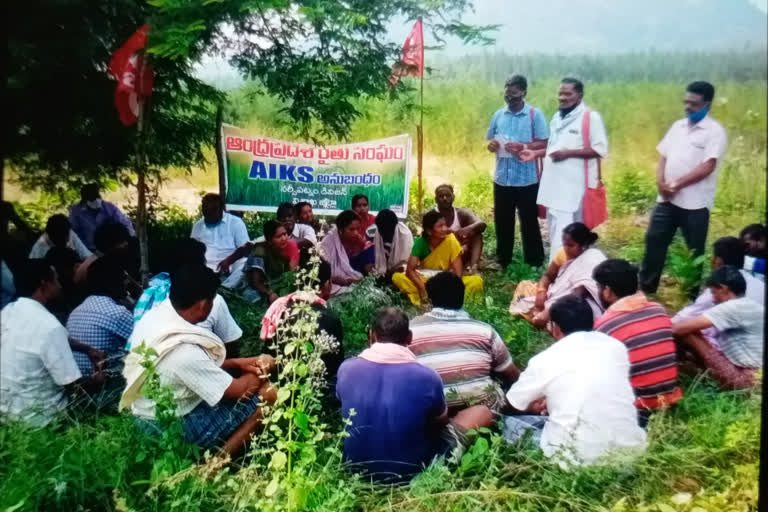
(740,322)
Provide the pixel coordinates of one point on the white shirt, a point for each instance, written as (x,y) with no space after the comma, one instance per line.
(222,239)
(188,370)
(44,244)
(35,362)
(562,183)
(304,232)
(585,380)
(685,146)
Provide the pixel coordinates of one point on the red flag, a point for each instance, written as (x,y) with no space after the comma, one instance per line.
(411,62)
(134,77)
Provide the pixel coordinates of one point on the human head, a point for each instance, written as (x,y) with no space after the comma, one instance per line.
(615,280)
(433,225)
(57,228)
(444,196)
(304,212)
(286,216)
(728,251)
(188,251)
(348,224)
(577,238)
(213,209)
(324,277)
(106,277)
(194,288)
(446,290)
(65,261)
(390,325)
(698,96)
(89,194)
(111,237)
(37,279)
(571,92)
(755,239)
(360,205)
(570,314)
(726,283)
(275,233)
(515,89)
(386,222)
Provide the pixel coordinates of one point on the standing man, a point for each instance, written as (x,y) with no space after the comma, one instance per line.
(686,176)
(562,182)
(513,128)
(92,212)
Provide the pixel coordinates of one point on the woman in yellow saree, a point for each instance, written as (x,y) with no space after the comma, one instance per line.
(435,251)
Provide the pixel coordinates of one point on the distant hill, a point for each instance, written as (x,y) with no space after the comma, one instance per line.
(617,26)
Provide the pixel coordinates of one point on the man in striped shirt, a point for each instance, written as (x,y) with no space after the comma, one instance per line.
(646,330)
(470,356)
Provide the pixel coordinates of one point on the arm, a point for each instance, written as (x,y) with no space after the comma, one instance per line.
(240,252)
(411,272)
(509,375)
(96,356)
(471,224)
(698,173)
(547,279)
(258,281)
(564,154)
(121,218)
(244,386)
(662,185)
(691,326)
(457,267)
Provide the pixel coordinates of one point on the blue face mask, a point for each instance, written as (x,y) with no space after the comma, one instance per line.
(697,116)
(213,225)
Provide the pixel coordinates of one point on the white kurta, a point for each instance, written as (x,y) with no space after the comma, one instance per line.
(562,183)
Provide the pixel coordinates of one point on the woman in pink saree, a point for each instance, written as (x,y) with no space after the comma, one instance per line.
(570,273)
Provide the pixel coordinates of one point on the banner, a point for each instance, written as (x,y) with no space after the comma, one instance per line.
(262,172)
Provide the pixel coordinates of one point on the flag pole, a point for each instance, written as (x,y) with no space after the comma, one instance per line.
(420,128)
(141,184)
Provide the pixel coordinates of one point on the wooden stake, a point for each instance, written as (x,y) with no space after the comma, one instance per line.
(141,182)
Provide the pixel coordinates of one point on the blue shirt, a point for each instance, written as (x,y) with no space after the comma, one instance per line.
(511,172)
(86,221)
(103,324)
(391,435)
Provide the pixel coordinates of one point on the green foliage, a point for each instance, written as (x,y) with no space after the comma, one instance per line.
(686,268)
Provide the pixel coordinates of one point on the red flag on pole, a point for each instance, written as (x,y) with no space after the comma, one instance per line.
(134,77)
(411,62)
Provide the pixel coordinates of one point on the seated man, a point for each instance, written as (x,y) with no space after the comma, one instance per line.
(221,232)
(113,240)
(58,233)
(725,251)
(469,355)
(392,242)
(218,399)
(66,263)
(740,323)
(583,382)
(754,237)
(401,420)
(92,211)
(37,369)
(464,224)
(220,321)
(646,330)
(101,322)
(300,233)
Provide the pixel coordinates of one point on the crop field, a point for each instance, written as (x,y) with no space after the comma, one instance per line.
(703,454)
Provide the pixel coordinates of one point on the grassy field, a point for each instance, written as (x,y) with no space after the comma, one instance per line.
(703,455)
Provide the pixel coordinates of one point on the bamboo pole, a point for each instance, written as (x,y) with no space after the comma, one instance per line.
(420,128)
(141,182)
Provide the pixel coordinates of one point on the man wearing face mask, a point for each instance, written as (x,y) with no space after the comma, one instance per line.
(690,154)
(562,186)
(514,128)
(92,212)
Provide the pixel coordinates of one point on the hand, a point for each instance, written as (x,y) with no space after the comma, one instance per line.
(527,155)
(513,147)
(538,406)
(560,154)
(540,319)
(97,358)
(665,190)
(463,233)
(223,266)
(493,146)
(261,365)
(541,299)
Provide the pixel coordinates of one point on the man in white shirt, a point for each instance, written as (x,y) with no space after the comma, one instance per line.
(562,186)
(303,234)
(221,232)
(217,399)
(690,155)
(59,233)
(37,369)
(591,412)
(740,322)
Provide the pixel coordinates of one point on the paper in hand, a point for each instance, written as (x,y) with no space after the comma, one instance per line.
(502,152)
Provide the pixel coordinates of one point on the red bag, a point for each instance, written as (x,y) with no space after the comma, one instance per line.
(594,205)
(539,168)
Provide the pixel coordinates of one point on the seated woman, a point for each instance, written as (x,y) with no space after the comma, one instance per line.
(351,257)
(570,273)
(435,251)
(305,215)
(267,261)
(360,207)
